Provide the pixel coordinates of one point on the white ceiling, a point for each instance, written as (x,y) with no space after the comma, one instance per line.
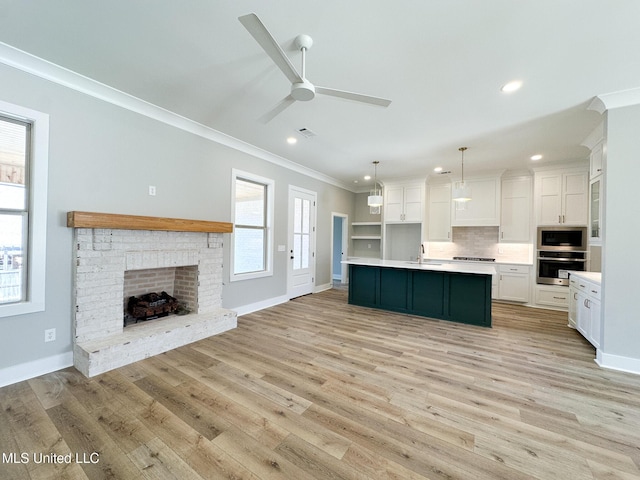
(441,62)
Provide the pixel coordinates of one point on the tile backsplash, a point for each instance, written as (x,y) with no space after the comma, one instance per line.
(480,242)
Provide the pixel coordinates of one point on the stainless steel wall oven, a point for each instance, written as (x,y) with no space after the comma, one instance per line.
(560,250)
(554,266)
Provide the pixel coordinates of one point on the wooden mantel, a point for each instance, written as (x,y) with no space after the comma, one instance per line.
(135,222)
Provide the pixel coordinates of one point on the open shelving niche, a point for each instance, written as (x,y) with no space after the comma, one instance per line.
(366,239)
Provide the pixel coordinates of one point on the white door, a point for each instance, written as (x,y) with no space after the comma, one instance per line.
(302,229)
(339,246)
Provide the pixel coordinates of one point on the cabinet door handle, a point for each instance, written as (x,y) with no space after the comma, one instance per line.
(562,218)
(559,218)
(575,296)
(501,234)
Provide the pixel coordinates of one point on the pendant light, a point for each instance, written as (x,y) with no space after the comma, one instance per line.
(461,191)
(375,197)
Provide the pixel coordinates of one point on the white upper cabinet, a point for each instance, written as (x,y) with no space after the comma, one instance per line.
(596,160)
(515,211)
(404,203)
(484,207)
(562,197)
(439,216)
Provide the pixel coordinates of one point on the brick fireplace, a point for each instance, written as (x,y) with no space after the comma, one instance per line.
(181,255)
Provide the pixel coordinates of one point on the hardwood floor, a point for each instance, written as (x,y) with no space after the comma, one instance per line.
(316,388)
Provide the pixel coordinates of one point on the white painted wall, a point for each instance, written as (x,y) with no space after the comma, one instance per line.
(620,259)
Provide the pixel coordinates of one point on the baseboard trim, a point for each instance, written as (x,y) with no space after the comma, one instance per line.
(617,362)
(254,307)
(35,368)
(322,288)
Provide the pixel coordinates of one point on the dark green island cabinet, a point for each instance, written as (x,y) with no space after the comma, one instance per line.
(457,296)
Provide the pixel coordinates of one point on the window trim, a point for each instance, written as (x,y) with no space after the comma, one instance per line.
(270,189)
(37,202)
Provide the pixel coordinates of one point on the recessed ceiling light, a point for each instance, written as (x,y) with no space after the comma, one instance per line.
(292,140)
(511,86)
(355,181)
(367,177)
(536,157)
(437,169)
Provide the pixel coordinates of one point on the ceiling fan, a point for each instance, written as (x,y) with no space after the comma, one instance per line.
(301,88)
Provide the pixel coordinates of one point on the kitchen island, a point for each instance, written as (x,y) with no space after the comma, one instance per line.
(447,291)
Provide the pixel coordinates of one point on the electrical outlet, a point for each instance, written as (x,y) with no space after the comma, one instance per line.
(152,190)
(50,335)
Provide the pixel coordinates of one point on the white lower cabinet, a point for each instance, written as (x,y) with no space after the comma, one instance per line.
(585,313)
(511,282)
(514,283)
(552,296)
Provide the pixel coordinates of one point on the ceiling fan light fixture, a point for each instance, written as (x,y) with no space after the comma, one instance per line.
(303,91)
(301,88)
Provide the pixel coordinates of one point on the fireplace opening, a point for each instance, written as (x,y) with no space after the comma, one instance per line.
(177,287)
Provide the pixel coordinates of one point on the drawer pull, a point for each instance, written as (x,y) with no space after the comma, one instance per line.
(560,298)
(594,291)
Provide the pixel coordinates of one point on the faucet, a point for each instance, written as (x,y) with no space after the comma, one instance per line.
(421,253)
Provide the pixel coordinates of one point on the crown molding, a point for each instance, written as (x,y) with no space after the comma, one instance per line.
(623,98)
(31,64)
(594,137)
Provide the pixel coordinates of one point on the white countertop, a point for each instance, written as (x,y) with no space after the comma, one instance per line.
(434,265)
(593,277)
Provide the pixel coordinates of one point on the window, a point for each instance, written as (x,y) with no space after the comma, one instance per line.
(252,232)
(24,138)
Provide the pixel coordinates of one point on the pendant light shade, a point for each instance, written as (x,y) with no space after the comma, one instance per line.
(374,200)
(461,191)
(375,197)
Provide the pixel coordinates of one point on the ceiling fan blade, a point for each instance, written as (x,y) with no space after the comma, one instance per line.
(357,97)
(282,105)
(258,31)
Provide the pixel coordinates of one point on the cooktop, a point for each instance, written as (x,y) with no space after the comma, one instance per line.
(475,259)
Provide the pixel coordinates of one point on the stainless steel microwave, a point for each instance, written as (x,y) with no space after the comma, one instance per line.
(564,239)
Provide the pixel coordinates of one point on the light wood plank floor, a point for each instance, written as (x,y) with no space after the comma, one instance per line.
(317,388)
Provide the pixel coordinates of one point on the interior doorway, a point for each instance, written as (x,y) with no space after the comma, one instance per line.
(339,247)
